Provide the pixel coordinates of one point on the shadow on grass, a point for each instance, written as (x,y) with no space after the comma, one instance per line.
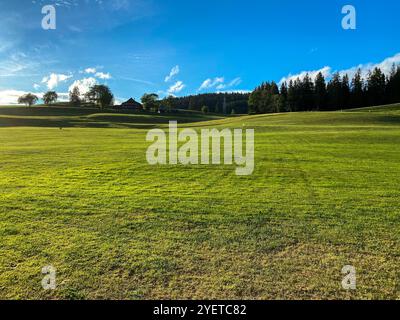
(70,123)
(97,121)
(63,117)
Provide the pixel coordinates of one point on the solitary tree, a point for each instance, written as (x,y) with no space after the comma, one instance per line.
(150,101)
(29,99)
(100,95)
(75,97)
(50,97)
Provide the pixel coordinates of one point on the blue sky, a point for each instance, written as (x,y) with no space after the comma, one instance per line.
(186,47)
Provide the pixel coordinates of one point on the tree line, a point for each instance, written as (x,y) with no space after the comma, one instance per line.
(98,95)
(223,103)
(319,95)
(305,94)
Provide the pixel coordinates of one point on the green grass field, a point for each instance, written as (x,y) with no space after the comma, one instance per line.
(325,194)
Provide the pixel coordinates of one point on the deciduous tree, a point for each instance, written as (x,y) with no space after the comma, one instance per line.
(50,97)
(29,99)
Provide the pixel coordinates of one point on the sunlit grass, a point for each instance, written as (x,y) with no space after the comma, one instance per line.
(324,194)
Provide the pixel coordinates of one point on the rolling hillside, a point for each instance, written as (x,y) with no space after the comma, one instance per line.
(324,194)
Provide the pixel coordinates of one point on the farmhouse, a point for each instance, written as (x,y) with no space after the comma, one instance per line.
(131,104)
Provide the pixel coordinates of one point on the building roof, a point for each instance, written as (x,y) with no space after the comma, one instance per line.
(131,102)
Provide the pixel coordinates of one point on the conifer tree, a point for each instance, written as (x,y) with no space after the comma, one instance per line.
(320,92)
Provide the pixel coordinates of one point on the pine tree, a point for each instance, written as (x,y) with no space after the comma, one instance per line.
(357,92)
(393,85)
(291,97)
(320,92)
(345,92)
(307,93)
(284,95)
(376,87)
(334,90)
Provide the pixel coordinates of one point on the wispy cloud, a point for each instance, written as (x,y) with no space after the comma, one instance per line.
(174,71)
(103,76)
(5,45)
(16,64)
(119,5)
(136,80)
(98,74)
(176,88)
(235,82)
(90,70)
(58,3)
(210,83)
(243,91)
(219,83)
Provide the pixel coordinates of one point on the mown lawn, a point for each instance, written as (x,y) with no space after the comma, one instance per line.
(324,194)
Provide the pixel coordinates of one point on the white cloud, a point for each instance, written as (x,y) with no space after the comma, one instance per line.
(235,82)
(177,87)
(63,96)
(83,85)
(90,70)
(174,71)
(385,66)
(8,97)
(210,83)
(327,72)
(102,75)
(219,83)
(235,91)
(54,79)
(98,74)
(118,101)
(36,86)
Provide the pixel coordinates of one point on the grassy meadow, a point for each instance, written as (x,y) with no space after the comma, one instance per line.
(77,193)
